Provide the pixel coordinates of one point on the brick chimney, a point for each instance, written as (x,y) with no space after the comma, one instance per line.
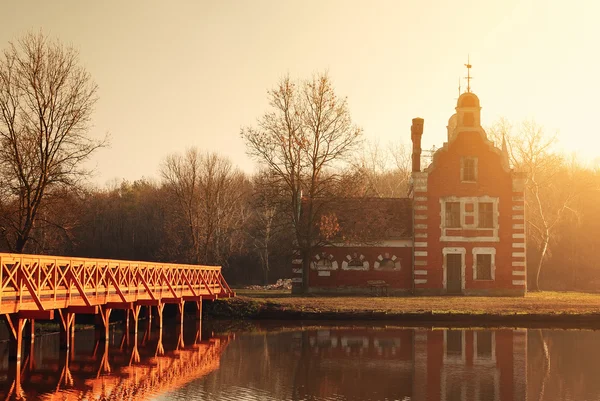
(416,132)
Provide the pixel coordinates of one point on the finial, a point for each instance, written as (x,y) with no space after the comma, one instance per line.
(468,77)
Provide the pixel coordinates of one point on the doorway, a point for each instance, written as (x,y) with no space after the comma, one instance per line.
(454,264)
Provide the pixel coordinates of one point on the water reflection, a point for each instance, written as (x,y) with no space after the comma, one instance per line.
(409,364)
(314,363)
(118,369)
(390,363)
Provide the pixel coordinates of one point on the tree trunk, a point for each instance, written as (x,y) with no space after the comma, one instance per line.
(305,271)
(539,266)
(20,244)
(266,274)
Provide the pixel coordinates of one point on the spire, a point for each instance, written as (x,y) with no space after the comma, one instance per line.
(468,77)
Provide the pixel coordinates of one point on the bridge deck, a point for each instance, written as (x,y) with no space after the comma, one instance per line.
(44,283)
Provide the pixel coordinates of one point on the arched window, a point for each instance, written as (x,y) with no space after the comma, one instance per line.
(355,262)
(387,262)
(324,261)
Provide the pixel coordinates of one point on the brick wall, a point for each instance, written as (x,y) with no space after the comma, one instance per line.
(443,180)
(344,278)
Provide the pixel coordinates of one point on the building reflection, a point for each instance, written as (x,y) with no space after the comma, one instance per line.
(411,364)
(119,369)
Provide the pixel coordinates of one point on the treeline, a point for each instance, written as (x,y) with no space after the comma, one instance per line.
(204,210)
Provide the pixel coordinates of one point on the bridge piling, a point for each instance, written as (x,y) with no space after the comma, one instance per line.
(127,326)
(101,324)
(198,322)
(159,348)
(181,315)
(136,315)
(16,342)
(67,328)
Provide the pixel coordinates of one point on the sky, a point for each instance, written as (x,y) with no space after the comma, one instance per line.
(179,74)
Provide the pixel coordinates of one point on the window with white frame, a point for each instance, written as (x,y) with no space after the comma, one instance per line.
(485,214)
(468,169)
(453,214)
(355,262)
(484,263)
(477,213)
(324,261)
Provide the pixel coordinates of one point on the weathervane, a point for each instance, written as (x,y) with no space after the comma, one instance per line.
(468,77)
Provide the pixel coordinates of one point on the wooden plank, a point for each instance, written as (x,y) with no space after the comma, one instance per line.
(172,300)
(119,305)
(147,302)
(84,310)
(37,314)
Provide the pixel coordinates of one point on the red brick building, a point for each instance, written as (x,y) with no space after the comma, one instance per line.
(413,364)
(461,230)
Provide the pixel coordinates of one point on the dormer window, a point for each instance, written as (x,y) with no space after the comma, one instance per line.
(468,169)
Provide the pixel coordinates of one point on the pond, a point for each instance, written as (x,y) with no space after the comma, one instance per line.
(313,361)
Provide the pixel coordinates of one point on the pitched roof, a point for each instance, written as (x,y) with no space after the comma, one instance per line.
(370,219)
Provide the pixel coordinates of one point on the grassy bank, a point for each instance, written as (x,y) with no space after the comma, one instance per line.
(570,309)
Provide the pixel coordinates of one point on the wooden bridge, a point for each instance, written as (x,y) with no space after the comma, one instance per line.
(34,287)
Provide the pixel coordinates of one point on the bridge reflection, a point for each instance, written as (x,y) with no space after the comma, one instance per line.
(121,369)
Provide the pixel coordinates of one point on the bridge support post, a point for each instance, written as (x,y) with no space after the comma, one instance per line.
(181,315)
(199,321)
(136,316)
(67,329)
(127,326)
(149,311)
(15,326)
(101,324)
(159,348)
(28,339)
(32,330)
(135,356)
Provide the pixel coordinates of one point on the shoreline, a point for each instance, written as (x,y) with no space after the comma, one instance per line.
(303,309)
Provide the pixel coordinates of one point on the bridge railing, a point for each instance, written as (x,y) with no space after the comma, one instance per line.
(39,282)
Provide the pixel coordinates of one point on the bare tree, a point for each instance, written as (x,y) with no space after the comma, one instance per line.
(385,170)
(263,224)
(302,142)
(46,101)
(211,194)
(552,188)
